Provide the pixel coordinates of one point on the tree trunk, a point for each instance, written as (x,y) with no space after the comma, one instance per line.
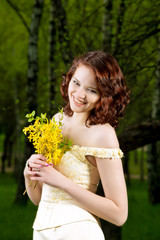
(4,154)
(154,149)
(111,231)
(7,149)
(142,165)
(58,29)
(51,64)
(33,55)
(120,19)
(9,152)
(154,173)
(63,35)
(107,25)
(136,156)
(20,198)
(31,89)
(17,151)
(139,135)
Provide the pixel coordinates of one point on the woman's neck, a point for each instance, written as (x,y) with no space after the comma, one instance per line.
(80,118)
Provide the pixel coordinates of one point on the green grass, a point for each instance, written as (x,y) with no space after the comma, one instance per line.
(16,221)
(144,218)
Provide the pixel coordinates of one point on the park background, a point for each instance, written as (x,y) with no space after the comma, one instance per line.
(38,41)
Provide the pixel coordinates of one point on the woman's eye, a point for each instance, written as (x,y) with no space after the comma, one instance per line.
(76,83)
(92,90)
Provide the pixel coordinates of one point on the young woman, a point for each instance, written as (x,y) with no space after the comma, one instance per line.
(95,95)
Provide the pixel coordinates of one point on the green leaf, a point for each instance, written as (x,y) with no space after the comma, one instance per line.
(30,119)
(33,113)
(28,115)
(43,116)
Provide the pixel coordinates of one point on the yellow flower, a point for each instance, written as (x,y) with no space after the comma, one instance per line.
(47,138)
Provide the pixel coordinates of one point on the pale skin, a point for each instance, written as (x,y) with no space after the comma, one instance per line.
(113,207)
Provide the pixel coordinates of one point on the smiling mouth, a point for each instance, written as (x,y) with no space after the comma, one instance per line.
(78,102)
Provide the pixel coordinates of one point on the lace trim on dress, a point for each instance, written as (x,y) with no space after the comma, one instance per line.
(100,152)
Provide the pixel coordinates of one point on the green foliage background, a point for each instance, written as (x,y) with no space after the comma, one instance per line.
(137,51)
(134,27)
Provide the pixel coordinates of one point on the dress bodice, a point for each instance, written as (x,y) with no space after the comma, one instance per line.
(75,166)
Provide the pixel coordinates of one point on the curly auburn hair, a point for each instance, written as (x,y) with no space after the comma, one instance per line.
(114,95)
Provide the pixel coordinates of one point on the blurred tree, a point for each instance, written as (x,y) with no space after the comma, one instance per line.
(154,148)
(58,36)
(63,34)
(139,135)
(52,52)
(107,25)
(142,164)
(7,150)
(31,87)
(12,79)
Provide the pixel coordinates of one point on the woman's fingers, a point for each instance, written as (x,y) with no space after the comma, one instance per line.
(39,156)
(36,175)
(36,161)
(37,164)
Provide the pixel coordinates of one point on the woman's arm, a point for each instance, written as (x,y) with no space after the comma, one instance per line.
(33,193)
(114,206)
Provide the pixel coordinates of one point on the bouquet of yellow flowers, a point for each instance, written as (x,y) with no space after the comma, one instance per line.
(46,137)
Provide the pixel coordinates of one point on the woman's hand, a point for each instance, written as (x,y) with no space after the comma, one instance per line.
(49,175)
(38,170)
(35,162)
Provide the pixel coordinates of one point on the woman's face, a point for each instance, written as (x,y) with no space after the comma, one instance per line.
(82,91)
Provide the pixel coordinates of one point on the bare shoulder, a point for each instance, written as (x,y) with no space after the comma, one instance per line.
(105,136)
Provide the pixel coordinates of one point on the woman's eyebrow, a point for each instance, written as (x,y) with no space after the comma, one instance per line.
(76,79)
(94,88)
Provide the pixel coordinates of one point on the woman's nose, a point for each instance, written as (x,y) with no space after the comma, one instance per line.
(81,93)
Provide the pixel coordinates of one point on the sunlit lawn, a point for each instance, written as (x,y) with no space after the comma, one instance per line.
(16,221)
(144,219)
